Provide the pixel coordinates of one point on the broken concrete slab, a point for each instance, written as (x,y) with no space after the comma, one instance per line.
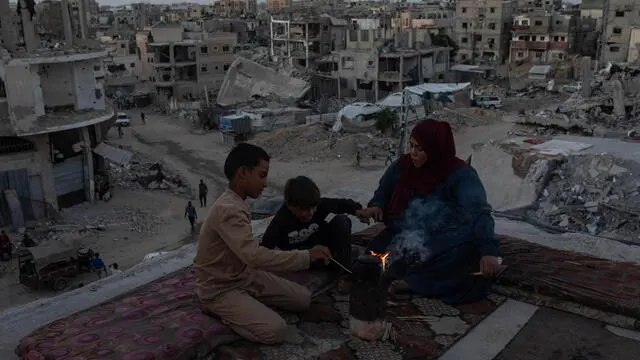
(247,80)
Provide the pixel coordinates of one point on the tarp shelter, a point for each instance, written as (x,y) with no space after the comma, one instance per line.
(356,117)
(436,88)
(540,72)
(395,100)
(436,91)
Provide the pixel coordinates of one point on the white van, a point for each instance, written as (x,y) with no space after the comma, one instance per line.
(488,101)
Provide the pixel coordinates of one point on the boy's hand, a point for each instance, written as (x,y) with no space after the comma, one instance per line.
(373,212)
(319,252)
(362,216)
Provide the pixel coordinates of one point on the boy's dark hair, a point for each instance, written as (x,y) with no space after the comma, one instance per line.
(96,255)
(243,155)
(301,192)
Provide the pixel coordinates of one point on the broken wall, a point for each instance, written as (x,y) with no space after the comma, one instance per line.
(57,84)
(24,93)
(87,93)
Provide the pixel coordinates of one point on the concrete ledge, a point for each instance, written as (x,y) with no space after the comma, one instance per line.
(488,339)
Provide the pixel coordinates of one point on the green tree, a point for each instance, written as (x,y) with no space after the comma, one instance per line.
(445,40)
(385,119)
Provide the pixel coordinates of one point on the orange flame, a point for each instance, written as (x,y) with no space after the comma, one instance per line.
(383,258)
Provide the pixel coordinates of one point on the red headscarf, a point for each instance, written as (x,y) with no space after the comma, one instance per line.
(436,139)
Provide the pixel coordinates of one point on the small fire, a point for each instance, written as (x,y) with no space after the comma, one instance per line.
(383,258)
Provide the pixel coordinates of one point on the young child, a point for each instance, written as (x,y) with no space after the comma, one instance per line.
(98,266)
(300,223)
(233,274)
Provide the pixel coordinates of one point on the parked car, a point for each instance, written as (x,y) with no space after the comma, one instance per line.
(123,119)
(573,87)
(488,101)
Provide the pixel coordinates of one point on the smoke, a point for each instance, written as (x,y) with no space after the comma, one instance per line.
(424,228)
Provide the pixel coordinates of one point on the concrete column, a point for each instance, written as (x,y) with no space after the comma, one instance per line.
(31,41)
(617,94)
(586,76)
(66,19)
(89,190)
(270,24)
(8,35)
(82,14)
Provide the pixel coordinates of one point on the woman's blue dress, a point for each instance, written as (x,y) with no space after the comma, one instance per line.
(442,235)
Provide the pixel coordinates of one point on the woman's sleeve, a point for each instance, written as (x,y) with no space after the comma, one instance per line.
(472,197)
(385,188)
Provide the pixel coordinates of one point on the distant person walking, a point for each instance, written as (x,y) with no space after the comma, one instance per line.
(98,266)
(358,159)
(120,132)
(143,118)
(202,193)
(190,213)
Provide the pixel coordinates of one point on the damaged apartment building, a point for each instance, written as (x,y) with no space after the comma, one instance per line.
(300,41)
(378,61)
(186,63)
(482,30)
(621,31)
(52,116)
(539,37)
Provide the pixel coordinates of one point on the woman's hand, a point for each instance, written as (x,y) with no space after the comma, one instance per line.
(489,265)
(374,213)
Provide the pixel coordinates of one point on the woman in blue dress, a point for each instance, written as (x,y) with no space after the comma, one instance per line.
(438,221)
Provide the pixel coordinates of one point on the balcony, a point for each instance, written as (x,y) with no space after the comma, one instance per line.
(529,45)
(558,45)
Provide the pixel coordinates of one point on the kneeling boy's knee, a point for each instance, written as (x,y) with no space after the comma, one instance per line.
(301,300)
(274,332)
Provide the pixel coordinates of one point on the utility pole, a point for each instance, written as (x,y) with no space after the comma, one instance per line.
(603,37)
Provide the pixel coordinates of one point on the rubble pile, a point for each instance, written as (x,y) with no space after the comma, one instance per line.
(144,173)
(490,90)
(260,54)
(555,121)
(591,193)
(134,218)
(315,143)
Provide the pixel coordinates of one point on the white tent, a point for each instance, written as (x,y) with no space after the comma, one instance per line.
(395,100)
(436,88)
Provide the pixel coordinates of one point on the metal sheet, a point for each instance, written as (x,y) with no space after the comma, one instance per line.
(114,154)
(37,197)
(69,175)
(17,180)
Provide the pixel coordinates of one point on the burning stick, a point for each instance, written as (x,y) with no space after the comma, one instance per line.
(342,266)
(383,259)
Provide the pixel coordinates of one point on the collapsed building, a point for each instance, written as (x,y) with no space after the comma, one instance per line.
(53,116)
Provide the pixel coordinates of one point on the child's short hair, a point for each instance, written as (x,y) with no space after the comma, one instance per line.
(243,155)
(301,192)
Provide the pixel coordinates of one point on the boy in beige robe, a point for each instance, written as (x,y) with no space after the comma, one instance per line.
(234,279)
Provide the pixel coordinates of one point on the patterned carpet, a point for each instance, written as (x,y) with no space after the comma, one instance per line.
(422,329)
(163,320)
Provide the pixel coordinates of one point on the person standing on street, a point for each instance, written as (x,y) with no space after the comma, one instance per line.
(202,192)
(143,118)
(190,213)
